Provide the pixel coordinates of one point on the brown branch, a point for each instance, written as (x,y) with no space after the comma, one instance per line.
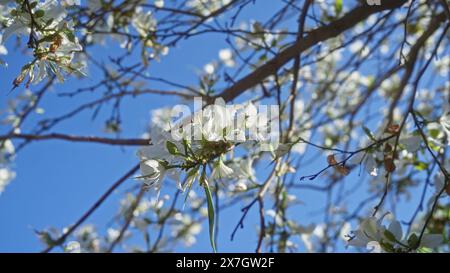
(296,68)
(72,138)
(262,222)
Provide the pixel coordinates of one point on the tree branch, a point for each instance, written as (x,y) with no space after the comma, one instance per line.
(315,36)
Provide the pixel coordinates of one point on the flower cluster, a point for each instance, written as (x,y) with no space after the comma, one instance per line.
(6,155)
(50,34)
(125,21)
(376,237)
(203,138)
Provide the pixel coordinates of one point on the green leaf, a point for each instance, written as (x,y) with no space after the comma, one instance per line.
(338,6)
(413,241)
(390,236)
(33,4)
(419,165)
(211,214)
(69,34)
(49,21)
(172,148)
(192,173)
(56,71)
(39,13)
(369,133)
(387,247)
(434,133)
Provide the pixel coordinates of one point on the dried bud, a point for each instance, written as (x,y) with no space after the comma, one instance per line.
(56,44)
(389,164)
(18,80)
(342,170)
(393,129)
(339,168)
(331,160)
(387,148)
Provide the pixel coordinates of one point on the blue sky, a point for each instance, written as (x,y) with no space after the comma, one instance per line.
(58,181)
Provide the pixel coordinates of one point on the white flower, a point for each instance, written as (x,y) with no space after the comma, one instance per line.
(152,173)
(445,123)
(412,143)
(158,150)
(302,122)
(3,50)
(186,227)
(6,151)
(162,118)
(240,186)
(21,24)
(159,3)
(358,47)
(243,168)
(209,68)
(143,22)
(373,235)
(374,247)
(369,230)
(112,234)
(368,161)
(221,170)
(216,121)
(226,56)
(431,240)
(442,65)
(73,247)
(312,235)
(6,176)
(439,183)
(278,219)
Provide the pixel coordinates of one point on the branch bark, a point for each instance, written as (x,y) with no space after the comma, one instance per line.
(72,138)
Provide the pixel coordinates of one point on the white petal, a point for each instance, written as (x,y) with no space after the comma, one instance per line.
(431,240)
(396,229)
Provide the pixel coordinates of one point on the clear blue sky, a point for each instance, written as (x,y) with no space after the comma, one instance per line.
(58,181)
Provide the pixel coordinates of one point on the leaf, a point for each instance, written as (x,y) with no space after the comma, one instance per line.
(390,236)
(69,34)
(189,180)
(421,166)
(413,241)
(172,148)
(387,247)
(369,133)
(39,13)
(56,71)
(338,6)
(211,214)
(434,133)
(33,4)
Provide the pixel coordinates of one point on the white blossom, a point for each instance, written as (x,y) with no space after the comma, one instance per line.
(6,176)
